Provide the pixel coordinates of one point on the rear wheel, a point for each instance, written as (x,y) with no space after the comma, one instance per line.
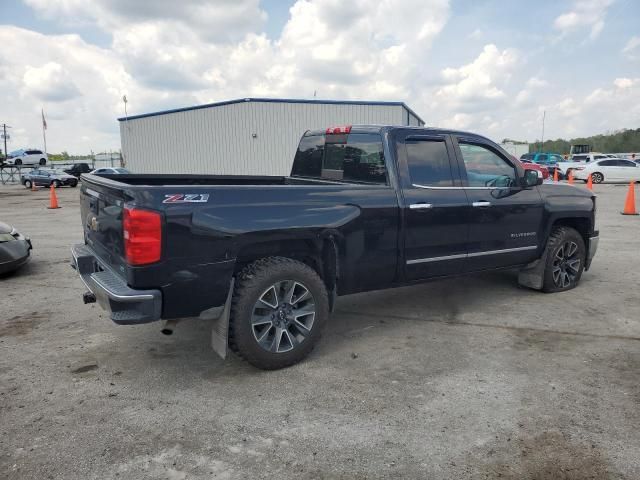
(565,260)
(279,308)
(73,184)
(18,162)
(43,161)
(597,177)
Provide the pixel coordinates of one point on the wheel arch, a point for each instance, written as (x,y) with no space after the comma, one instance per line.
(320,253)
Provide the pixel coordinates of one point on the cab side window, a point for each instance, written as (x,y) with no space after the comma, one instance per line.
(486,168)
(428,163)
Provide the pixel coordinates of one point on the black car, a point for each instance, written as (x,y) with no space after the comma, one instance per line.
(78,169)
(15,249)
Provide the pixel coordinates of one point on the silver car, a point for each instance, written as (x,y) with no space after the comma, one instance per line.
(47,177)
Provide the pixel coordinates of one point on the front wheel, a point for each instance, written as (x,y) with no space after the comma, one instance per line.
(566,255)
(56,183)
(18,162)
(73,184)
(597,177)
(279,308)
(43,161)
(27,184)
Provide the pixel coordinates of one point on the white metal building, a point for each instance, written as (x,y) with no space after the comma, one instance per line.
(252,136)
(516,149)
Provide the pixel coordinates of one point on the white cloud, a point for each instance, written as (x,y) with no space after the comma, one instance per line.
(632,49)
(50,82)
(480,80)
(584,14)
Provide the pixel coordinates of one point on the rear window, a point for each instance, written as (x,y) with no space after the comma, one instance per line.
(357,157)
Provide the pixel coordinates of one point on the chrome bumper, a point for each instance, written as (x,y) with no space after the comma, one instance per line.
(126,305)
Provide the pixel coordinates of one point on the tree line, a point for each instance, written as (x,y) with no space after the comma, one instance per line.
(622,141)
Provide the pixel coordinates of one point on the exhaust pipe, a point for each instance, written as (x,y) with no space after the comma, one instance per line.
(168,327)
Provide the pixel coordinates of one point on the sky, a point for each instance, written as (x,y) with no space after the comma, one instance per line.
(491,67)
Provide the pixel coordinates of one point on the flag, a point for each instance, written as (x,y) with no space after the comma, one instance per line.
(44,121)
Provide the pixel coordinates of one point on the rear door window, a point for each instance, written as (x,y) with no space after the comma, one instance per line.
(608,163)
(428,163)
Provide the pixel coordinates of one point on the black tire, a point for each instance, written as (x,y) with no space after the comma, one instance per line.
(253,284)
(564,265)
(27,184)
(18,162)
(43,161)
(597,177)
(73,184)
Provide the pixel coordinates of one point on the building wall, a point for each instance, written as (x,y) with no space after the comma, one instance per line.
(516,149)
(219,140)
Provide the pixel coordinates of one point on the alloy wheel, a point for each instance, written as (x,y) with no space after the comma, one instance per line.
(283,316)
(566,264)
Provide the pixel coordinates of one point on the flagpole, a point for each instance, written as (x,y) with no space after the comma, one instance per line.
(44,130)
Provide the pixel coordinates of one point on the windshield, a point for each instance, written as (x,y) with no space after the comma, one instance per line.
(357,157)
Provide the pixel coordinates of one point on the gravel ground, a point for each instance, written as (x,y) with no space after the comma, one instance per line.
(464,378)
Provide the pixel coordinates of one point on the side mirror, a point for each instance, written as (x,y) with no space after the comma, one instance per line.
(531,178)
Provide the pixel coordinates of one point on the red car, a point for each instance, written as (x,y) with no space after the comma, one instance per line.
(527,165)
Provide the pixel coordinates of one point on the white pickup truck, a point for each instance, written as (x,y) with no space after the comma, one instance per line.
(577,160)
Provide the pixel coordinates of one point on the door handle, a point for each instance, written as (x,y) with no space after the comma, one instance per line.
(482,203)
(420,206)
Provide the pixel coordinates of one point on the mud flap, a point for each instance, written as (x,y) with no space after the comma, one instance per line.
(220,327)
(532,275)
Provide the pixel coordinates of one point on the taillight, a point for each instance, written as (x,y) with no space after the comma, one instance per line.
(345,129)
(142,232)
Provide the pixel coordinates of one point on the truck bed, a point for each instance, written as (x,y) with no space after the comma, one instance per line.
(204,180)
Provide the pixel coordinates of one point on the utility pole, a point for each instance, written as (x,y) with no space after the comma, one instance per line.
(544,114)
(4,136)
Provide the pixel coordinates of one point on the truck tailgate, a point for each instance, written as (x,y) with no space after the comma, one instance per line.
(101,209)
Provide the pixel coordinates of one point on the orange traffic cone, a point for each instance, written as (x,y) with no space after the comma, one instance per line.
(570,177)
(53,199)
(590,183)
(630,203)
(555,175)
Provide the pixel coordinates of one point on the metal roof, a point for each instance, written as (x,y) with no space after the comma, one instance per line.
(273,100)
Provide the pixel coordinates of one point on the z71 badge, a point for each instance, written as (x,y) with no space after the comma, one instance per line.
(186,198)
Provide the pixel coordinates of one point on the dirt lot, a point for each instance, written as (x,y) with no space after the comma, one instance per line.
(466,378)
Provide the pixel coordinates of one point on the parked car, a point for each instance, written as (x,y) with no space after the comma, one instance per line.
(48,176)
(566,166)
(610,170)
(15,249)
(111,171)
(364,208)
(78,169)
(549,160)
(27,157)
(544,171)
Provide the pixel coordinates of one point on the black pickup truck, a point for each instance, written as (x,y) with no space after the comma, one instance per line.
(365,208)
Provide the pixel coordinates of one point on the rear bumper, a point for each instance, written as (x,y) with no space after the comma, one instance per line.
(593,248)
(125,305)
